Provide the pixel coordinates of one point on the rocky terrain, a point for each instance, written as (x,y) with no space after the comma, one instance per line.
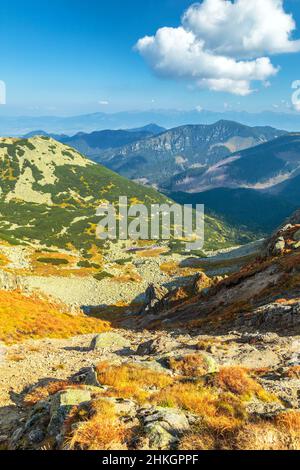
(137,345)
(213,363)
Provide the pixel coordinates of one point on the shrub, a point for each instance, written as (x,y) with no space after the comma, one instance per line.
(54,261)
(103,275)
(88,264)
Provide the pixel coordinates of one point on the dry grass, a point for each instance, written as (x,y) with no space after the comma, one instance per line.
(4,261)
(293,372)
(289,423)
(238,381)
(192,365)
(197,441)
(283,433)
(23,318)
(151,253)
(103,431)
(128,273)
(219,403)
(220,412)
(15,357)
(44,391)
(259,436)
(130,381)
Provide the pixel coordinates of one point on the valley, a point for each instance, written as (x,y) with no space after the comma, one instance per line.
(138,344)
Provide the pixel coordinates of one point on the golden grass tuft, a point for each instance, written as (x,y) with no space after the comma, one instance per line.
(131,381)
(204,440)
(293,372)
(42,392)
(103,431)
(192,365)
(219,412)
(238,381)
(23,318)
(259,436)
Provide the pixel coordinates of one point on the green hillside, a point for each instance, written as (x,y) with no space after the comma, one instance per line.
(50,192)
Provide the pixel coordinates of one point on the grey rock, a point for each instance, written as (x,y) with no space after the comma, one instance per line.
(109,341)
(158,437)
(36,436)
(296,236)
(91,378)
(61,405)
(163,426)
(154,299)
(279,247)
(160,345)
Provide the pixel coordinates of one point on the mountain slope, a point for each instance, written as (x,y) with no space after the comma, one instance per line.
(263,294)
(160,157)
(260,167)
(256,211)
(94,143)
(50,192)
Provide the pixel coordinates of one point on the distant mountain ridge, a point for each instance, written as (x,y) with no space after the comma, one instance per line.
(167,118)
(95,142)
(160,157)
(260,167)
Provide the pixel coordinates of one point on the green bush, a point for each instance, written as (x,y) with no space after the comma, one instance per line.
(102,275)
(55,261)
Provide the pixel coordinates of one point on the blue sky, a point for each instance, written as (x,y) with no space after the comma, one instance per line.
(74,56)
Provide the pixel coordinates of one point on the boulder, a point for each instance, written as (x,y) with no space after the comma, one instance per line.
(160,345)
(279,247)
(109,341)
(61,405)
(154,299)
(201,281)
(91,377)
(296,236)
(164,426)
(158,437)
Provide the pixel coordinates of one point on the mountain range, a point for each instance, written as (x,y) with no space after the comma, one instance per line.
(256,187)
(167,118)
(158,158)
(245,176)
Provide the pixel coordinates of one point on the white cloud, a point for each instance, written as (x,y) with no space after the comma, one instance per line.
(223,46)
(103,102)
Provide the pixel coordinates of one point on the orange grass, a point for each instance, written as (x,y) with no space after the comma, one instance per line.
(44,391)
(103,431)
(293,372)
(238,381)
(192,365)
(130,381)
(23,318)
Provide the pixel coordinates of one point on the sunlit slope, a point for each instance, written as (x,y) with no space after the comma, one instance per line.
(50,192)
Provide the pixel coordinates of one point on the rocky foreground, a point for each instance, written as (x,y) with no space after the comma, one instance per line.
(125,390)
(211,364)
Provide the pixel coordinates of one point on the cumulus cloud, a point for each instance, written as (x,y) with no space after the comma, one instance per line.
(223,45)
